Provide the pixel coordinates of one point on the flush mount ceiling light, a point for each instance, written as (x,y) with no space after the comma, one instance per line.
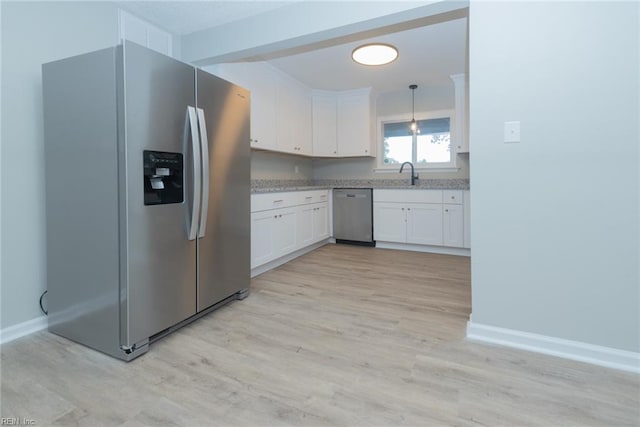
(374,54)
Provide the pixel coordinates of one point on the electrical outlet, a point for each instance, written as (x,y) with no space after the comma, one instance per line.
(296,169)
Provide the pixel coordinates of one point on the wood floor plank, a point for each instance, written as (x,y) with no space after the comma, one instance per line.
(342,336)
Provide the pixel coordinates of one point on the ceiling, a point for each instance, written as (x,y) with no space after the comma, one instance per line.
(427,57)
(427,54)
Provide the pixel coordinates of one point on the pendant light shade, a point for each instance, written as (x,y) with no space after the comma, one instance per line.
(414,124)
(374,54)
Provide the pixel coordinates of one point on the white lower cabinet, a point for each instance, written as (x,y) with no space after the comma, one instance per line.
(273,234)
(262,232)
(453,222)
(313,223)
(321,222)
(285,232)
(305,225)
(302,221)
(467,219)
(417,223)
(389,222)
(420,217)
(424,224)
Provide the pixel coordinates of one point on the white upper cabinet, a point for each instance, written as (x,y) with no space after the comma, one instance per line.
(260,79)
(324,126)
(355,114)
(260,82)
(280,106)
(143,33)
(293,116)
(343,123)
(461,122)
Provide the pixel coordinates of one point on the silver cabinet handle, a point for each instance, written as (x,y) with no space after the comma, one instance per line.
(195,150)
(204,144)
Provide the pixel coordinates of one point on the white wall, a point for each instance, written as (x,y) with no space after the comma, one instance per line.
(266,165)
(555,217)
(34,33)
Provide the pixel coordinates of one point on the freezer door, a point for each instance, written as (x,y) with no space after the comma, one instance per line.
(224,244)
(158,261)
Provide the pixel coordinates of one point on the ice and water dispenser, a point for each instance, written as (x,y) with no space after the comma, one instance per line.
(163,178)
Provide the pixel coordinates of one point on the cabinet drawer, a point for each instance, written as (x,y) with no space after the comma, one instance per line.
(408,196)
(314,196)
(452,196)
(263,202)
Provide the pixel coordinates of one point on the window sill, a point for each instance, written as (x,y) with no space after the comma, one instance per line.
(418,170)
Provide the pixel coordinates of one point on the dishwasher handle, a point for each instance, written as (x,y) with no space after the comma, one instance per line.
(350,195)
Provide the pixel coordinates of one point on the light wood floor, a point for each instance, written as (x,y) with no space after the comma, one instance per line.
(342,336)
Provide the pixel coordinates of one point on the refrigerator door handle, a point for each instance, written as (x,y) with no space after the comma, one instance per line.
(197,177)
(204,144)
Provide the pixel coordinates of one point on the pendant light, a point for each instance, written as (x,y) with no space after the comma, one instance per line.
(414,125)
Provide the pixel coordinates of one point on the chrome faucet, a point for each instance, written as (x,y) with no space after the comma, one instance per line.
(413,175)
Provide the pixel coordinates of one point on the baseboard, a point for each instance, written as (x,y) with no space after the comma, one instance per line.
(22,329)
(285,259)
(445,250)
(574,350)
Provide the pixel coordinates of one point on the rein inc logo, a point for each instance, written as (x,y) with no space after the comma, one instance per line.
(15,421)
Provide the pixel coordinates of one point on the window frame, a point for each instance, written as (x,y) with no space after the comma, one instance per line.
(421,115)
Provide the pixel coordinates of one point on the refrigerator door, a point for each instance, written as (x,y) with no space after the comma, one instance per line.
(157,171)
(224,243)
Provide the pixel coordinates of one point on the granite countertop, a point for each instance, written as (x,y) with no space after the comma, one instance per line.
(274,185)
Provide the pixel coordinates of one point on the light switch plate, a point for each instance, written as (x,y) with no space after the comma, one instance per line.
(511,131)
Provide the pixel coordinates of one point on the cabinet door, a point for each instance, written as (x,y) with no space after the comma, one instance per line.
(467,219)
(424,224)
(306,222)
(324,125)
(259,79)
(459,132)
(320,222)
(302,120)
(262,235)
(285,105)
(285,231)
(354,118)
(389,222)
(261,83)
(453,224)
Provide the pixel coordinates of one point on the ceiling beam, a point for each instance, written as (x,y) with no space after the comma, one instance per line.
(305,26)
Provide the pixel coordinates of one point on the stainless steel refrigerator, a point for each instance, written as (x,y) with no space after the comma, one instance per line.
(147,196)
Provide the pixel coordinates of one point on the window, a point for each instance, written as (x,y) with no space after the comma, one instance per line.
(429,147)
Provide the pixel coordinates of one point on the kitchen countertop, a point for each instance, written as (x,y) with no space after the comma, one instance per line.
(272,186)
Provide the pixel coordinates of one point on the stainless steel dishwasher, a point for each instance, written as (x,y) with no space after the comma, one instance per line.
(353,216)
